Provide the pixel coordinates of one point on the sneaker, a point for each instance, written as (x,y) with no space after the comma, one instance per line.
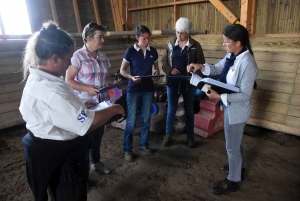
(146,150)
(100,167)
(224,187)
(167,140)
(128,157)
(225,169)
(191,142)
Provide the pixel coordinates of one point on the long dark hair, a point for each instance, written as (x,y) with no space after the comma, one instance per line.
(237,32)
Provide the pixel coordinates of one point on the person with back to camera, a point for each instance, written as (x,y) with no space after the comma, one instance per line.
(56,145)
(89,72)
(237,68)
(140,58)
(180,52)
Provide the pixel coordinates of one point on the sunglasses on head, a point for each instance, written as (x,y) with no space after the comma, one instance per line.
(90,26)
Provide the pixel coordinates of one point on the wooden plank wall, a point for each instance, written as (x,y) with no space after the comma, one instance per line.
(273,16)
(11,86)
(276,102)
(10,83)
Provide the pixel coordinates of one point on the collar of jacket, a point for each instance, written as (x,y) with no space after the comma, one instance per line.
(191,41)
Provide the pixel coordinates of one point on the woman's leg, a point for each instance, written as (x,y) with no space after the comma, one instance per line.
(95,140)
(234,135)
(132,109)
(147,99)
(172,96)
(188,98)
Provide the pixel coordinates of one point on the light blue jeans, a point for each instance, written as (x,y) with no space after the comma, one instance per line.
(135,102)
(173,93)
(234,147)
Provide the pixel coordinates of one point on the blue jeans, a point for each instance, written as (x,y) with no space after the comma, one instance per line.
(135,102)
(234,147)
(173,93)
(95,138)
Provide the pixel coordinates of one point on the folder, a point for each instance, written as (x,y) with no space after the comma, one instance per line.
(219,87)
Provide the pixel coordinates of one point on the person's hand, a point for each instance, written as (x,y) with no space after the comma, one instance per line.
(92,90)
(212,94)
(90,103)
(193,67)
(118,109)
(156,72)
(175,71)
(136,79)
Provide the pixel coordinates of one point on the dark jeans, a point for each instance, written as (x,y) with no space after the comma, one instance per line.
(135,101)
(95,138)
(173,93)
(61,166)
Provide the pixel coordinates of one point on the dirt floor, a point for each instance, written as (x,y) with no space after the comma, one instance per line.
(173,173)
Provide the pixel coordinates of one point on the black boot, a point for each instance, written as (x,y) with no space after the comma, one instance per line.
(225,169)
(167,140)
(225,186)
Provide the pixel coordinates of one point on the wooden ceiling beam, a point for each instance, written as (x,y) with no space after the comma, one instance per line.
(77,16)
(225,11)
(96,10)
(118,13)
(53,9)
(248,15)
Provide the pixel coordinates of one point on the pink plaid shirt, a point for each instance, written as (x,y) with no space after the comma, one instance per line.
(91,72)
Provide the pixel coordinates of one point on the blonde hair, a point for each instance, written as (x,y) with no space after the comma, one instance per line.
(43,44)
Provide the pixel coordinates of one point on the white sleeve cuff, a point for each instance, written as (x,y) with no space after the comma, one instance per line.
(207,69)
(224,99)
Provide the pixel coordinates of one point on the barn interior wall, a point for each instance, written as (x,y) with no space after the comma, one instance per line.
(276,103)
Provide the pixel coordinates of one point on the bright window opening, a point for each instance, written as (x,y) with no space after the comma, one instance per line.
(14,16)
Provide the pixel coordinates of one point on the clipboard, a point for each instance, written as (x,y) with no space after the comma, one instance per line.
(179,76)
(118,84)
(148,76)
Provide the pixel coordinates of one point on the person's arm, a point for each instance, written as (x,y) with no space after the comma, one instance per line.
(71,74)
(193,67)
(102,116)
(124,72)
(167,68)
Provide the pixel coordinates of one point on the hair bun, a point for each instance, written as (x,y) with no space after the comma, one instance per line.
(49,25)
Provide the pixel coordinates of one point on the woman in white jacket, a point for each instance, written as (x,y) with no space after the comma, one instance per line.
(237,68)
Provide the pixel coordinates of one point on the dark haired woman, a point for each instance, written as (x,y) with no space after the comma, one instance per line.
(141,58)
(237,68)
(56,147)
(89,72)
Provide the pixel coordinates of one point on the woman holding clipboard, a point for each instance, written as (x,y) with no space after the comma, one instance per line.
(237,68)
(141,58)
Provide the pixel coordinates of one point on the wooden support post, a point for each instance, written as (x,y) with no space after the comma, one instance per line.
(128,18)
(116,7)
(176,13)
(77,16)
(54,13)
(248,15)
(96,11)
(225,11)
